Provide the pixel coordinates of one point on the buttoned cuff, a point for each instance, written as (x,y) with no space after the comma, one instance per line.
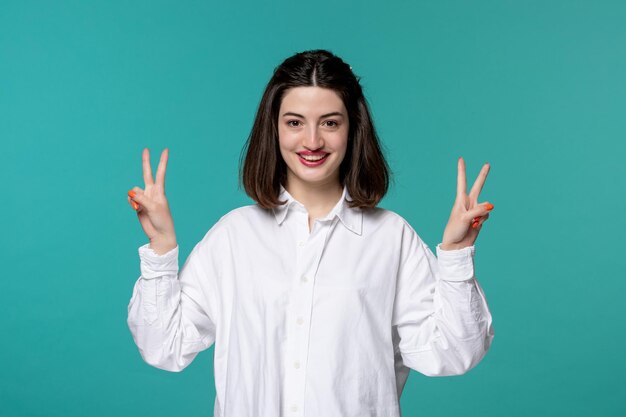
(457,264)
(154,265)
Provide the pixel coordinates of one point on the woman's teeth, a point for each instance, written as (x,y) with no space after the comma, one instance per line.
(313,158)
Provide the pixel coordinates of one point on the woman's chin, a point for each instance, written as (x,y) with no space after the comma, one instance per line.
(316,178)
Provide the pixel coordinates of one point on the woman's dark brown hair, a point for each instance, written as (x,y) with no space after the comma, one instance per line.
(363,170)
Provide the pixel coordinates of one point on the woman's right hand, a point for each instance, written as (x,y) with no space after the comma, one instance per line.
(152,208)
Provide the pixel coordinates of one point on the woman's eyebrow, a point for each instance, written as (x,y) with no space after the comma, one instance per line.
(335,113)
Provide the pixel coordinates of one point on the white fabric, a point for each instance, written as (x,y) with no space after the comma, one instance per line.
(321,323)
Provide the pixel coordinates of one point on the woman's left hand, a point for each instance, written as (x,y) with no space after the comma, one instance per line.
(467,216)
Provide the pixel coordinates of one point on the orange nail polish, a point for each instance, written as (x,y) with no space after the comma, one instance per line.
(475,225)
(131,193)
(489,206)
(475,219)
(135,205)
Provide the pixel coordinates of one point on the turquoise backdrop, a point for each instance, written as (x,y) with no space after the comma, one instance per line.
(536,88)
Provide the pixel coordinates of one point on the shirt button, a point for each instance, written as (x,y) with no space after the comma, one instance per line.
(299,321)
(300,243)
(304,278)
(294,408)
(296,364)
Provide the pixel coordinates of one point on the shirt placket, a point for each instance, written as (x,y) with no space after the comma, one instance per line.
(309,248)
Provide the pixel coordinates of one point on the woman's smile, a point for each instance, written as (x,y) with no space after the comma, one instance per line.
(312,159)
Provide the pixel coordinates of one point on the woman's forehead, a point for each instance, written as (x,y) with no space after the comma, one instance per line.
(311,100)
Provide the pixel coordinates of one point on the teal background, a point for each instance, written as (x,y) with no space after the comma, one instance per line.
(536,88)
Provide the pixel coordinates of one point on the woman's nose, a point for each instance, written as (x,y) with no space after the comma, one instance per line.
(313,139)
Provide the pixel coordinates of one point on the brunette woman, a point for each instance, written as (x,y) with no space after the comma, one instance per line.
(317,301)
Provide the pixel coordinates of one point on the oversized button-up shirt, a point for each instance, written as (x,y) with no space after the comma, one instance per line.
(321,322)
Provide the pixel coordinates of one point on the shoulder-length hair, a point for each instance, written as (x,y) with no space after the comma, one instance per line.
(364,170)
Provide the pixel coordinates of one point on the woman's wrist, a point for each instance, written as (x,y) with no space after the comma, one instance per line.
(452,246)
(162,247)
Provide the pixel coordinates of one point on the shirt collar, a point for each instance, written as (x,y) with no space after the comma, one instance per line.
(351,217)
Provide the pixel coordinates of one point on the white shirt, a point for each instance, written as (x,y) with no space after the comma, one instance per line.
(320,323)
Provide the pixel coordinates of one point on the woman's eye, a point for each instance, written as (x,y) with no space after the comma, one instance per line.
(293,123)
(331,123)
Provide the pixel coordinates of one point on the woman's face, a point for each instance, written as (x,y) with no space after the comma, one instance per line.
(312,135)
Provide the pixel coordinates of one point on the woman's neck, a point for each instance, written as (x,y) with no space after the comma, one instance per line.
(318,199)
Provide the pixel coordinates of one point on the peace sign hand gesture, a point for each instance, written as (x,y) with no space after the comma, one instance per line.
(151,206)
(467,214)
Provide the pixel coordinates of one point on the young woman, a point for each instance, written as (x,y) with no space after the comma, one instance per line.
(317,301)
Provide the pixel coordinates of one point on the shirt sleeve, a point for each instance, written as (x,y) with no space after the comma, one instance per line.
(443,321)
(172,314)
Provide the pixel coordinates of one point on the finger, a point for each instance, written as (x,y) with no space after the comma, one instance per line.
(160,174)
(461,182)
(132,203)
(134,191)
(478,184)
(479,218)
(147,169)
(144,202)
(137,195)
(479,211)
(478,221)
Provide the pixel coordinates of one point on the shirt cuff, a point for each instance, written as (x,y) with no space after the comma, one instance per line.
(154,265)
(457,264)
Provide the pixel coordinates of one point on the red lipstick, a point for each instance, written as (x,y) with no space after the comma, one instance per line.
(314,158)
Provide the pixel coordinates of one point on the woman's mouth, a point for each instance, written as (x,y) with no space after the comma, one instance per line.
(312,159)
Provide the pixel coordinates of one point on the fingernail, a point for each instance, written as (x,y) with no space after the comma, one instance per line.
(489,206)
(131,193)
(135,205)
(475,219)
(475,225)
